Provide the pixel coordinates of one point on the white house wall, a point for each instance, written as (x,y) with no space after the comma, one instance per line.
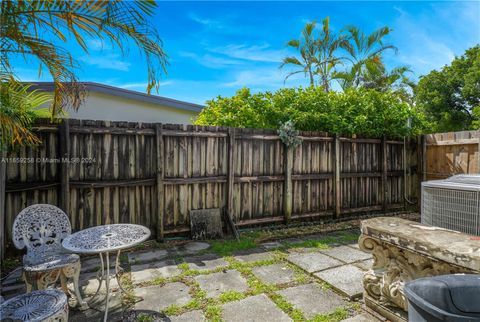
(100,106)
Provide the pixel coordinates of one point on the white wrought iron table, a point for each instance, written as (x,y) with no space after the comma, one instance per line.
(103,240)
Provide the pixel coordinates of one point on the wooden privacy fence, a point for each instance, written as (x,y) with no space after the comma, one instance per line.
(103,172)
(450,153)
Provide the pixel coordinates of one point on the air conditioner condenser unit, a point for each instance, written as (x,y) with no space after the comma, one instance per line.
(453,203)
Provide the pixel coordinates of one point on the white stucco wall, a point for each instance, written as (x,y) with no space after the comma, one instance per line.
(99,106)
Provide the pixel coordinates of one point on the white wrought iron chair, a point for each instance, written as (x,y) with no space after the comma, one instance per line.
(40,229)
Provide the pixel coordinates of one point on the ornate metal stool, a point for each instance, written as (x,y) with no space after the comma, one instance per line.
(47,305)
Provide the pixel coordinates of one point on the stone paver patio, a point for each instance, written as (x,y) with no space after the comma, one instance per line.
(277,281)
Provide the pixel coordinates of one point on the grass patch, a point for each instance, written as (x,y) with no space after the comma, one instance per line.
(144,318)
(286,307)
(213,313)
(183,266)
(349,237)
(300,276)
(173,309)
(311,243)
(338,315)
(228,247)
(128,297)
(231,296)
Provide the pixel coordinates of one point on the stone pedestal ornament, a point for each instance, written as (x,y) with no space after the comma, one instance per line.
(404,251)
(41,229)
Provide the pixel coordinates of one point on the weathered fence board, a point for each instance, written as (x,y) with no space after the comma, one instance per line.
(154,174)
(451,153)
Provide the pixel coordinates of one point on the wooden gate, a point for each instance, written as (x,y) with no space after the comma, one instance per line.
(451,153)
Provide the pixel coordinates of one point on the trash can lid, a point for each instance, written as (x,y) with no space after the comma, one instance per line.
(448,292)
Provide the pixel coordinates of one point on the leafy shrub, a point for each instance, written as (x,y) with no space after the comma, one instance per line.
(365,112)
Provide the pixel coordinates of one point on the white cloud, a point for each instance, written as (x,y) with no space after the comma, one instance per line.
(141,87)
(211,61)
(206,22)
(98,45)
(429,41)
(261,53)
(110,61)
(271,78)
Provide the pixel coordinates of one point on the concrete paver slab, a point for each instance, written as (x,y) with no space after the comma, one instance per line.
(364,265)
(148,256)
(93,264)
(157,298)
(347,279)
(253,255)
(354,245)
(313,261)
(274,274)
(205,262)
(192,247)
(312,299)
(257,308)
(192,316)
(147,272)
(346,254)
(89,283)
(218,283)
(362,317)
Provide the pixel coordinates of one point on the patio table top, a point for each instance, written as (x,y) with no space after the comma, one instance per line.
(106,238)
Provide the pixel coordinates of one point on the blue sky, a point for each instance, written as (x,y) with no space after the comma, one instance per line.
(217,47)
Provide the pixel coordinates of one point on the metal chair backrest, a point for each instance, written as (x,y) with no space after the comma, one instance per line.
(41,229)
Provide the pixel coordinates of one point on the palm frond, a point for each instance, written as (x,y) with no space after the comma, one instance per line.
(26,25)
(292,61)
(17,111)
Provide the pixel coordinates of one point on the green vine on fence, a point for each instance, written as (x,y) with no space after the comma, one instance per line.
(289,135)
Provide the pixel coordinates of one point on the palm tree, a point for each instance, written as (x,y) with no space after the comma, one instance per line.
(327,45)
(377,77)
(18,107)
(307,48)
(36,28)
(364,50)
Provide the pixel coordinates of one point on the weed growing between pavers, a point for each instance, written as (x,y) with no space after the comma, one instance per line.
(349,237)
(337,315)
(213,313)
(228,247)
(230,296)
(128,297)
(310,243)
(286,307)
(144,318)
(300,276)
(212,306)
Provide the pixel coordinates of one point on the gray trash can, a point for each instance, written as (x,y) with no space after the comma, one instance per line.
(454,298)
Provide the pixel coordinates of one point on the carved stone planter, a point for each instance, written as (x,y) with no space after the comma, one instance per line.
(405,250)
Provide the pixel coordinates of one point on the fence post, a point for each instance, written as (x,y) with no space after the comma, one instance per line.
(231,180)
(64,139)
(384,152)
(478,152)
(3,195)
(424,157)
(160,174)
(336,176)
(287,189)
